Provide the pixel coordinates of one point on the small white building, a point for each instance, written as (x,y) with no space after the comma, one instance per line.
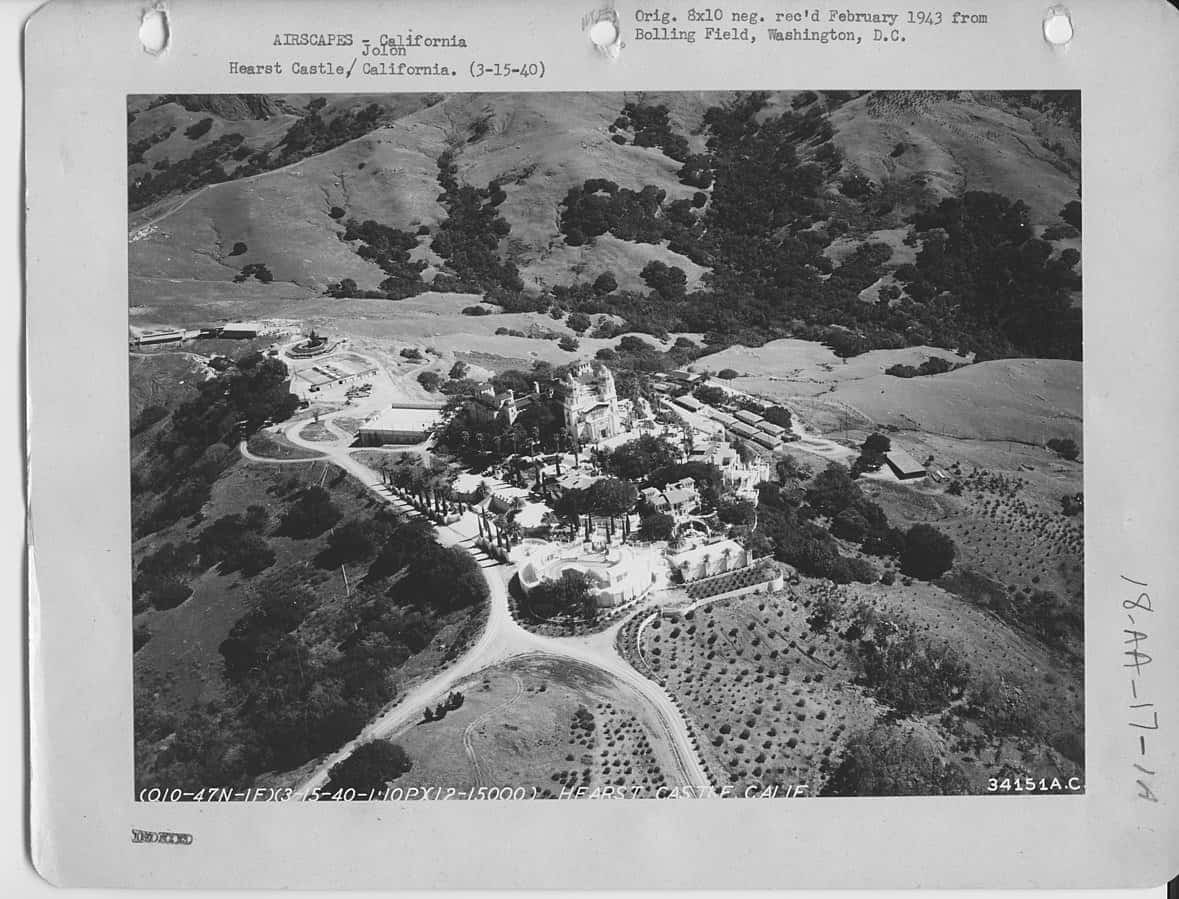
(740,477)
(708,558)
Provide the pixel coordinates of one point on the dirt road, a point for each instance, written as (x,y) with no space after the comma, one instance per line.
(502,638)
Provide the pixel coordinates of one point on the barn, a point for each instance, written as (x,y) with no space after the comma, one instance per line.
(904,466)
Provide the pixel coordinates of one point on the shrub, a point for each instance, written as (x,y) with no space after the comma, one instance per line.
(727,374)
(310,515)
(605,283)
(198,130)
(257,270)
(351,542)
(238,249)
(656,527)
(369,767)
(928,553)
(1071,213)
(889,760)
(1065,447)
(667,281)
(856,186)
(148,417)
(578,321)
(169,593)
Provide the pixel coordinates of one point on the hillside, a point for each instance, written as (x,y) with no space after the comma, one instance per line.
(971,142)
(732,214)
(1021,400)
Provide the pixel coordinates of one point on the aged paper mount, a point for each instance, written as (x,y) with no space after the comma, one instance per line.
(436,407)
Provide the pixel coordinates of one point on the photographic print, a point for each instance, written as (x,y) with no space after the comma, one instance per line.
(580,445)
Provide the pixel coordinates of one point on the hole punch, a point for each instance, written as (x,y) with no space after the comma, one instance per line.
(1058,26)
(605,34)
(154,32)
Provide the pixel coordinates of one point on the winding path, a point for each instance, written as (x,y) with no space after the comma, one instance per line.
(501,639)
(271,460)
(469,732)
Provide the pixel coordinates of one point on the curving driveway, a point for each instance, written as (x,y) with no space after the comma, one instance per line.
(502,638)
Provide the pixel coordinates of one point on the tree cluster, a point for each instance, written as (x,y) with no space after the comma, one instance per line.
(389,248)
(637,459)
(651,128)
(600,206)
(469,237)
(174,479)
(205,166)
(566,597)
(934,365)
(369,768)
(236,543)
(312,513)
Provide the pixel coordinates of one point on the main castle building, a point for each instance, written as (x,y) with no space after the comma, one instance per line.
(591,403)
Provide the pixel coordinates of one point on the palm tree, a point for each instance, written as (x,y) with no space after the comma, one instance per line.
(510,528)
(726,554)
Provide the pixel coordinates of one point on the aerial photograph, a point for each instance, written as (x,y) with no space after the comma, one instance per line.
(673,445)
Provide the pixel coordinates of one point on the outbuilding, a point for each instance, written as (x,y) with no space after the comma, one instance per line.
(904,466)
(240,330)
(400,425)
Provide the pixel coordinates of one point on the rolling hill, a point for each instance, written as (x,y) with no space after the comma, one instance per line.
(223,186)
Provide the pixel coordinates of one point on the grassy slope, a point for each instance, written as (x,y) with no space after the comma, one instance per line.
(183,650)
(539,145)
(1021,400)
(766,684)
(162,379)
(802,368)
(953,146)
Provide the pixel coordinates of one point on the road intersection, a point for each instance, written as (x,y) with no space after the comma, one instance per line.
(502,639)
